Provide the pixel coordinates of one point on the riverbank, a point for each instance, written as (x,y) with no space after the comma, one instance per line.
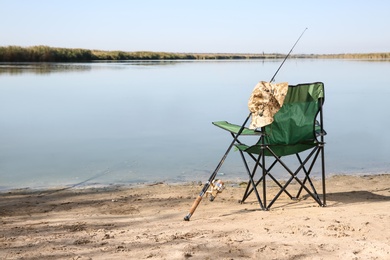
(53,54)
(146,222)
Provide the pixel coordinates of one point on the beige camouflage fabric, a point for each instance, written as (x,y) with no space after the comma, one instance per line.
(265,101)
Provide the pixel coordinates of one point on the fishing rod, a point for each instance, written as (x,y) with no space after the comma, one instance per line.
(212,177)
(287,55)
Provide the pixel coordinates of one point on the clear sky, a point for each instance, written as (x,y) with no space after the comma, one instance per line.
(218,26)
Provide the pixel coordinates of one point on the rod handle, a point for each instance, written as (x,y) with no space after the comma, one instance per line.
(193,208)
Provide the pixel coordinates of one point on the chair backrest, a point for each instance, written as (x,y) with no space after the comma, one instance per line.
(295,122)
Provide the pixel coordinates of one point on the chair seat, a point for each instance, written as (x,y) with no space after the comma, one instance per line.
(279,150)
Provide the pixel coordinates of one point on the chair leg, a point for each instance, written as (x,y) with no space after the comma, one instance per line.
(313,156)
(246,193)
(320,149)
(268,173)
(264,174)
(323,176)
(294,177)
(307,173)
(251,182)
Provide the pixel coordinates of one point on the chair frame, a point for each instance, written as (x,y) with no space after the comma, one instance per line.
(260,162)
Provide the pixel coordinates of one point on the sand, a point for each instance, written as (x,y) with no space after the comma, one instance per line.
(146,222)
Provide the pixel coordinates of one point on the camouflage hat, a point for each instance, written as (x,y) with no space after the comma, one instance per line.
(266,99)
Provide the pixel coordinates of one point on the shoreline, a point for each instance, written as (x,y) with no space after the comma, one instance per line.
(146,222)
(97,185)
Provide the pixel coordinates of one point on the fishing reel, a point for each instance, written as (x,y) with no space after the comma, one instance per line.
(216,187)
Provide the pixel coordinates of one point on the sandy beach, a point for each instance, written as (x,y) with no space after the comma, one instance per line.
(146,222)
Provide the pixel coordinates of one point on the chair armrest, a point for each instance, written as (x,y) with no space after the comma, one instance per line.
(232,128)
(318,131)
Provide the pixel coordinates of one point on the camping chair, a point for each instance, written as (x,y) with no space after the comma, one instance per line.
(297,129)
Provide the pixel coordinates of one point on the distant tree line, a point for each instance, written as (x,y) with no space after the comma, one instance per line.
(52,54)
(43,54)
(365,56)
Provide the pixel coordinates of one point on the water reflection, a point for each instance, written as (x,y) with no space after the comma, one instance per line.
(41,68)
(49,68)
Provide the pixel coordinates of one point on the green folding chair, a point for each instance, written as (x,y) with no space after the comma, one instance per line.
(297,130)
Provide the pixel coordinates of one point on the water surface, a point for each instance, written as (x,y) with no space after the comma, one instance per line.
(130,122)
